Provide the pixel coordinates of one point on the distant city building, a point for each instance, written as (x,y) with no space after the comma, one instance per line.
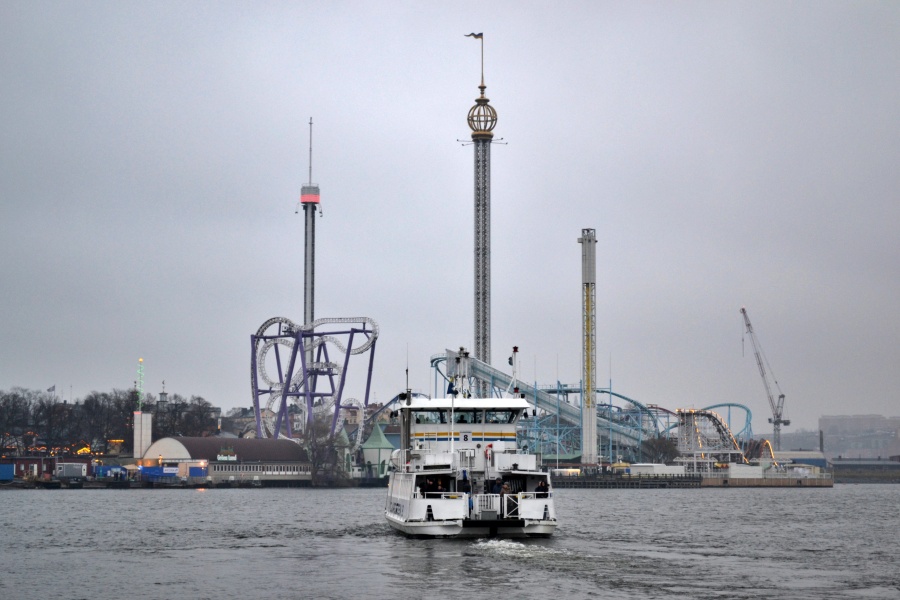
(351,414)
(802,457)
(860,436)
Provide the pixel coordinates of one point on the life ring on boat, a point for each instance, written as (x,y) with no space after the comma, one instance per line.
(487,451)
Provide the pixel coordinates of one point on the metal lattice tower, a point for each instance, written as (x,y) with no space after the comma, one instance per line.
(482,119)
(588,241)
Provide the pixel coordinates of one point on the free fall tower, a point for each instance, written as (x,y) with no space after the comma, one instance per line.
(482,119)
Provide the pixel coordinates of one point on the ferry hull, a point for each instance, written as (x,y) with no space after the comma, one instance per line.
(470,528)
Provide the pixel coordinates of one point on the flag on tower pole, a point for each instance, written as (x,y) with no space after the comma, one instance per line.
(52,388)
(477,36)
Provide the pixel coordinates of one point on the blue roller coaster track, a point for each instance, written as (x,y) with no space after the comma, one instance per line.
(554,427)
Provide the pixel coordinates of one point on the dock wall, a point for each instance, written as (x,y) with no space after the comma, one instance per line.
(627,481)
(769,482)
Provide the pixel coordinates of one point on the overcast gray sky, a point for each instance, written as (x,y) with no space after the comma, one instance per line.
(728,154)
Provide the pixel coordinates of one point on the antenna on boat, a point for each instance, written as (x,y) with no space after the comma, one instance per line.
(408,391)
(514,381)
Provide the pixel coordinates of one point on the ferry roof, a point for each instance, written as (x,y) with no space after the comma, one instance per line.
(465,403)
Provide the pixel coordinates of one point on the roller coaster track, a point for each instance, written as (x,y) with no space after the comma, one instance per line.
(702,431)
(568,413)
(297,379)
(373,418)
(747,431)
(631,426)
(754,448)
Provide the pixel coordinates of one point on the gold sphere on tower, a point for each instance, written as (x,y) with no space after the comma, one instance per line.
(482,117)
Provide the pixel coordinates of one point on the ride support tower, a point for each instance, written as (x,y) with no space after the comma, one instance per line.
(588,241)
(482,119)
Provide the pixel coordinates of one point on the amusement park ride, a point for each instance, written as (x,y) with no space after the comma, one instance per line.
(291,366)
(299,371)
(292,372)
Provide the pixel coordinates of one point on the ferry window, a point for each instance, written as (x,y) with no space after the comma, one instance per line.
(467,416)
(431,416)
(500,416)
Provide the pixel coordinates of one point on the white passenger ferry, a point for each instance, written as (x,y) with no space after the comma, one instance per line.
(460,473)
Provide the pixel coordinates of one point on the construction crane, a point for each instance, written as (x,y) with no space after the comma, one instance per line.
(777,406)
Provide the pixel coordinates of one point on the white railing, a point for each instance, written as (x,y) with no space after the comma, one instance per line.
(507,505)
(511,504)
(441,495)
(485,503)
(466,459)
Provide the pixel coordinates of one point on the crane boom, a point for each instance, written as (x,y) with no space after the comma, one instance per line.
(777,406)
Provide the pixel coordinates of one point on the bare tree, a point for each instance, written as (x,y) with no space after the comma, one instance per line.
(198,418)
(15,414)
(48,421)
(96,421)
(660,449)
(319,444)
(29,416)
(123,404)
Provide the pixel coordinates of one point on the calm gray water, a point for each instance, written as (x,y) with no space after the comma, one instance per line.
(302,543)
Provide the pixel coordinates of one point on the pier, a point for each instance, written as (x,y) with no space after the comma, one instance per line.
(619,481)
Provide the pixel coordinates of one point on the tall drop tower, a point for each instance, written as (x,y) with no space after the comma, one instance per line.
(143,421)
(482,120)
(588,241)
(309,198)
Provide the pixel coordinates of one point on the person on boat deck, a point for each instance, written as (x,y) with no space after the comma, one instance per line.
(542,490)
(429,485)
(498,486)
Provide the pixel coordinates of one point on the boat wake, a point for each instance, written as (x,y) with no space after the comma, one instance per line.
(515,549)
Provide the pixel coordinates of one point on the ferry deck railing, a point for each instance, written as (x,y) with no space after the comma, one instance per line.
(503,506)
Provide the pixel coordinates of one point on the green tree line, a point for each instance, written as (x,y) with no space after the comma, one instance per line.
(38,422)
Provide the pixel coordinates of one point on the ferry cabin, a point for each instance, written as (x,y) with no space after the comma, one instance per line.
(456,455)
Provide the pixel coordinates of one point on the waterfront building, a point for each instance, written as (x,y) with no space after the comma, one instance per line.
(226,461)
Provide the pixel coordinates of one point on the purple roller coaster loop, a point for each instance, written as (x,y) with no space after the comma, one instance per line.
(307,387)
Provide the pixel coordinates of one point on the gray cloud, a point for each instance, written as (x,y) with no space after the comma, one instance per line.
(727,154)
